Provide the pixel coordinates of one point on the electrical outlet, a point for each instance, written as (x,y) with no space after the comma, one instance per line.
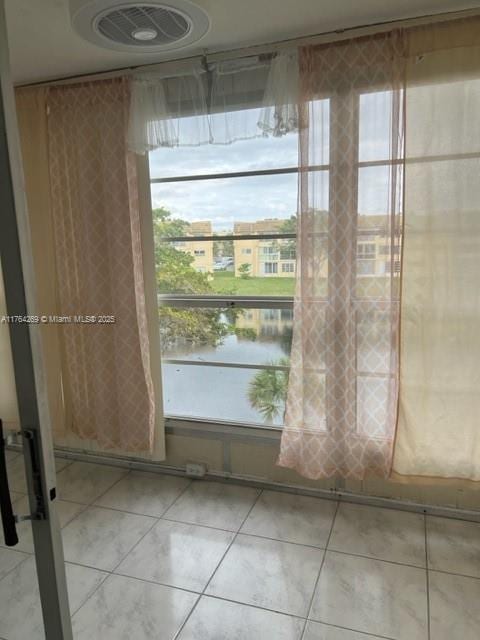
(196,469)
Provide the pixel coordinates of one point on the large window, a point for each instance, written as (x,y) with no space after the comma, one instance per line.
(225,222)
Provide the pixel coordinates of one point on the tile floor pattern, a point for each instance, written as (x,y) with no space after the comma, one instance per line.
(156,557)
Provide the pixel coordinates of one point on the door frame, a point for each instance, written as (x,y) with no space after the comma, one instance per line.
(20,294)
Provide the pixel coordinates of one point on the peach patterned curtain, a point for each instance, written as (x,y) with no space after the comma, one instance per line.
(106,372)
(33,130)
(342,397)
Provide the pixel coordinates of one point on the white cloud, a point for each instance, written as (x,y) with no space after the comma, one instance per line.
(225,201)
(230,200)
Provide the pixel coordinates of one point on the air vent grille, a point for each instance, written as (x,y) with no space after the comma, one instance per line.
(161,26)
(139,26)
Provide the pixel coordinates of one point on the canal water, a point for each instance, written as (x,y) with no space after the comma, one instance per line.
(218,392)
(221,393)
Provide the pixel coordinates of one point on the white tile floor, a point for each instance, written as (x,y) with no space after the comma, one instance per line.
(152,557)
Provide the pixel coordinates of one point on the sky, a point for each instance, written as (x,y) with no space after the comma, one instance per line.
(225,201)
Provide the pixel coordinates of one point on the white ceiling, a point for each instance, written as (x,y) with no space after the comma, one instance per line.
(43,45)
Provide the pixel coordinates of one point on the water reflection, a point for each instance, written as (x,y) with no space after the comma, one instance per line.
(263,337)
(256,337)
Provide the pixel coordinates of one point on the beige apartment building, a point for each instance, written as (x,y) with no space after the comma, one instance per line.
(374,247)
(202,252)
(276,258)
(267,323)
(265,258)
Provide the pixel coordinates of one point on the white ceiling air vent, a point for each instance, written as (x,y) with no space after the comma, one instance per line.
(141,27)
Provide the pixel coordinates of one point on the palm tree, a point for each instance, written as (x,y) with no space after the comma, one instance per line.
(268,390)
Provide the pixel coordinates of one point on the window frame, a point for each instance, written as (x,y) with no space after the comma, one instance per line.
(226,301)
(272,268)
(257,302)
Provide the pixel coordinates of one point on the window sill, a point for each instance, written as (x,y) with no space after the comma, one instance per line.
(221,430)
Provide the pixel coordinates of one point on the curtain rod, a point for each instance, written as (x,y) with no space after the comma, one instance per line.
(216,56)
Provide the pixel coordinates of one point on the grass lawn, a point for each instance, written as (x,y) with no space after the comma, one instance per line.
(225,281)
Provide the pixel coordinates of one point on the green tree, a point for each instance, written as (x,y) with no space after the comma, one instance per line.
(244,270)
(268,391)
(288,247)
(164,226)
(245,333)
(289,225)
(175,273)
(223,248)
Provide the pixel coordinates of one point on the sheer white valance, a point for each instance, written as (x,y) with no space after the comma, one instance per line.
(218,103)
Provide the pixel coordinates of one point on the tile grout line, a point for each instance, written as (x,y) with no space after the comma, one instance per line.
(302,490)
(163,517)
(252,606)
(177,635)
(454,573)
(193,592)
(292,615)
(95,589)
(85,507)
(427,576)
(375,636)
(156,521)
(236,533)
(198,524)
(147,515)
(89,504)
(68,463)
(283,613)
(250,535)
(110,573)
(212,596)
(255,535)
(261,537)
(107,573)
(375,558)
(92,503)
(29,555)
(245,533)
(309,610)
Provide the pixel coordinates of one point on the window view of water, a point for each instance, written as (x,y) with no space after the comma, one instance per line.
(257,396)
(256,337)
(225,227)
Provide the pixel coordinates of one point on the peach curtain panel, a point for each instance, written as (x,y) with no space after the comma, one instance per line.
(342,396)
(106,373)
(438,431)
(32,124)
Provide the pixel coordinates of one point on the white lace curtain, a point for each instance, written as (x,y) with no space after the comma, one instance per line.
(193,105)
